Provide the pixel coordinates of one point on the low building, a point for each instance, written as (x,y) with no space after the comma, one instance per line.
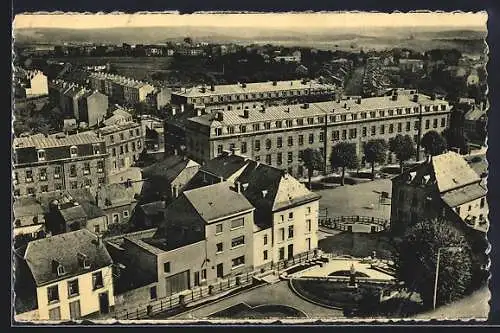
(117,201)
(30,83)
(411,65)
(124,144)
(443,186)
(119,115)
(74,210)
(165,180)
(56,162)
(29,220)
(63,277)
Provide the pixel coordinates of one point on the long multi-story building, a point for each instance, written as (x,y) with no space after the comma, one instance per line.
(247,95)
(278,135)
(120,88)
(56,162)
(124,143)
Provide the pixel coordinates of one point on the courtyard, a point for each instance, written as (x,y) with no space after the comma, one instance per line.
(356,200)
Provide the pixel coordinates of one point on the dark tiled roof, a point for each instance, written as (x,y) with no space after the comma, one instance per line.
(464,194)
(225,166)
(216,201)
(64,249)
(167,169)
(73,213)
(117,194)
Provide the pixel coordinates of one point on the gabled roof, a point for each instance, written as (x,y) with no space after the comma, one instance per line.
(117,194)
(273,189)
(451,171)
(169,168)
(64,248)
(225,165)
(217,201)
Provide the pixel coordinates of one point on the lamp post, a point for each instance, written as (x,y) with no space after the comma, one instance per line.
(448,248)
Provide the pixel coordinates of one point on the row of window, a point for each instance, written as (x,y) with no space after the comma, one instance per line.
(235,224)
(59,186)
(73,152)
(235,242)
(124,148)
(122,135)
(243,97)
(317,120)
(73,288)
(42,172)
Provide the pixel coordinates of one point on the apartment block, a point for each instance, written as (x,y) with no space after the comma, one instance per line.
(124,144)
(56,162)
(277,135)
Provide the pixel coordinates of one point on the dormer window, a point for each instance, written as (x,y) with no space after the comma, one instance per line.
(96,150)
(83,261)
(41,155)
(73,151)
(58,268)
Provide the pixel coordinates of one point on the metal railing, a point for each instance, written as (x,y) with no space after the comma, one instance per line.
(211,290)
(340,222)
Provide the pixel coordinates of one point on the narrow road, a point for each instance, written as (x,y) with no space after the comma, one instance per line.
(354,85)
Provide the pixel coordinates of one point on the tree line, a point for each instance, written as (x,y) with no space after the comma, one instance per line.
(344,156)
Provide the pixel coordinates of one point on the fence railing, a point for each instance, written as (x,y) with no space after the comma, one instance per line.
(340,222)
(211,289)
(345,279)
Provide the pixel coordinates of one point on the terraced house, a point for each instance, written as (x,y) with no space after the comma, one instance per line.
(119,88)
(277,135)
(124,143)
(56,162)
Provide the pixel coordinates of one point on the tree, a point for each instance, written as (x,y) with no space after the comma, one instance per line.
(344,156)
(375,152)
(433,143)
(416,261)
(456,139)
(313,160)
(403,148)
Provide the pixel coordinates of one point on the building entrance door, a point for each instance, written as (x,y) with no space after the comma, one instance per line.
(104,303)
(290,251)
(220,270)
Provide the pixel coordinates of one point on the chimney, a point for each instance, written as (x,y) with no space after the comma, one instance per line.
(238,187)
(358,100)
(415,98)
(235,151)
(275,83)
(243,85)
(220,116)
(306,105)
(212,87)
(433,96)
(203,89)
(395,97)
(345,105)
(245,113)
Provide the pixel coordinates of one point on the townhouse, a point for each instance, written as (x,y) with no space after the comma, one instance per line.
(56,162)
(63,277)
(277,135)
(124,144)
(30,83)
(84,105)
(29,220)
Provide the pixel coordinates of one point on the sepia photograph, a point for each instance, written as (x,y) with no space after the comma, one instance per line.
(249,167)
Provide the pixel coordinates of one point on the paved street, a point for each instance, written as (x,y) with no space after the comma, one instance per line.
(357,199)
(278,293)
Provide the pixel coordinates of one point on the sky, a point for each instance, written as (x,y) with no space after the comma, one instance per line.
(296,21)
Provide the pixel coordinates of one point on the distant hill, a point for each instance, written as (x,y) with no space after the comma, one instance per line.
(152,35)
